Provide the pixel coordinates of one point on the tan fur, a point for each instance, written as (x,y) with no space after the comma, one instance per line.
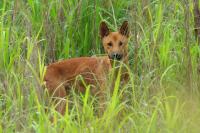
(61,76)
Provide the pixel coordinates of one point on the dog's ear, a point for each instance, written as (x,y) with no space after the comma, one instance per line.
(124,30)
(104,30)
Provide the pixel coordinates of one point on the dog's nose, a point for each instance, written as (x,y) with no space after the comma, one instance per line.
(116,56)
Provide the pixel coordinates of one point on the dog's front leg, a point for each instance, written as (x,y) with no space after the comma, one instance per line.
(102,98)
(58,96)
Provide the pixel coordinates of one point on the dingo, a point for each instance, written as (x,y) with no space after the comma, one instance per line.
(61,76)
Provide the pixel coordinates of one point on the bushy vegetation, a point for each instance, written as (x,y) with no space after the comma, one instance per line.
(162,95)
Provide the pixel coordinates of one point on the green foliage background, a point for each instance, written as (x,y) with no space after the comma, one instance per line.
(162,96)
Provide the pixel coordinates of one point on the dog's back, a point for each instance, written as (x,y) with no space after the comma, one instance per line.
(64,73)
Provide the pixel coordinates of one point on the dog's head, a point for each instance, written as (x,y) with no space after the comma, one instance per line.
(115,43)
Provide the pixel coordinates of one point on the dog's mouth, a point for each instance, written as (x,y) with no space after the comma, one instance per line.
(115,56)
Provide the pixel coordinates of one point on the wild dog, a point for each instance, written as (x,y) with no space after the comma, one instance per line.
(116,45)
(61,76)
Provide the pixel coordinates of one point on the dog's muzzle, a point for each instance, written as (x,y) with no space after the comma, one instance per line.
(116,56)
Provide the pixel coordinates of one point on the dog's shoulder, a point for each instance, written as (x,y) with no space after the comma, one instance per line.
(104,61)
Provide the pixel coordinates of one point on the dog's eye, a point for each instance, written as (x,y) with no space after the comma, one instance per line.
(110,44)
(120,43)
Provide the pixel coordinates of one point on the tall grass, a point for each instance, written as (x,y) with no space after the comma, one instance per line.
(34,33)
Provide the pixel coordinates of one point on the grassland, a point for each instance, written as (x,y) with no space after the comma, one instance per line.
(162,95)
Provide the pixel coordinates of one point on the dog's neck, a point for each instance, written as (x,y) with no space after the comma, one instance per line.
(126,59)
